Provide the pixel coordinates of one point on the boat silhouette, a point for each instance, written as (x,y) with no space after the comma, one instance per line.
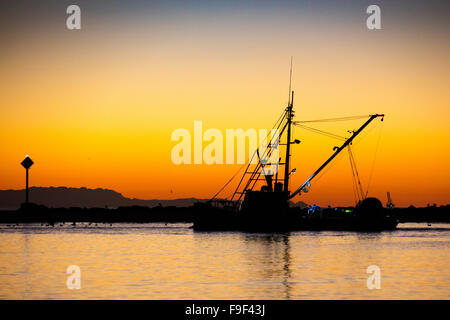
(268,209)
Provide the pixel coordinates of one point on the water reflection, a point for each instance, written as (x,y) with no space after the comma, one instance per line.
(26,264)
(154,261)
(273,258)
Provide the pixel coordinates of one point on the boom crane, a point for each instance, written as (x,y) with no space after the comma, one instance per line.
(337,151)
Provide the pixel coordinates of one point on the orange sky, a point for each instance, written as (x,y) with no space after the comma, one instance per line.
(97,107)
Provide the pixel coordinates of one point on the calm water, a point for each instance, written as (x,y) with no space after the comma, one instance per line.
(158,261)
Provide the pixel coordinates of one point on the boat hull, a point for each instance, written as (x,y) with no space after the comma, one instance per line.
(281,218)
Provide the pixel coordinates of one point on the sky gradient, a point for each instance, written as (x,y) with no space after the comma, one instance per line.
(96,107)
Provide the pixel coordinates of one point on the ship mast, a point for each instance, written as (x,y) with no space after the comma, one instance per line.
(288,144)
(288,138)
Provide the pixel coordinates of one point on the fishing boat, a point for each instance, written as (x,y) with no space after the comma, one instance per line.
(266,208)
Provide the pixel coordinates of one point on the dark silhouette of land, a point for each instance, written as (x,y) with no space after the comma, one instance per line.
(33,213)
(63,197)
(51,205)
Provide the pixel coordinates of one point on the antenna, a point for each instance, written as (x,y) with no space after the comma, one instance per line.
(290,82)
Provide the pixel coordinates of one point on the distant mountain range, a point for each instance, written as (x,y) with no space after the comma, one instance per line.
(59,197)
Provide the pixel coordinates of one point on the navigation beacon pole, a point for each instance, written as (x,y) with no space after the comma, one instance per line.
(26,186)
(26,163)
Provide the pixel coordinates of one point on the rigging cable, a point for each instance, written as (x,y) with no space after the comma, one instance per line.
(357,181)
(374,158)
(331,165)
(276,125)
(355,194)
(355,188)
(335,119)
(325,133)
(240,168)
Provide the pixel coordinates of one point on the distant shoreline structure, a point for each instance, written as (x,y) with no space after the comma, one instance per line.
(59,197)
(68,205)
(34,213)
(66,197)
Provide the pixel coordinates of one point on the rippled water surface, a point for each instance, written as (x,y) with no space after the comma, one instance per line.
(158,261)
